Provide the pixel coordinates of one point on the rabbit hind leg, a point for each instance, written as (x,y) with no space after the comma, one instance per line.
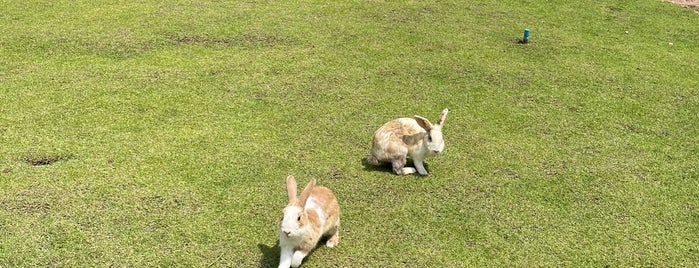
(399,167)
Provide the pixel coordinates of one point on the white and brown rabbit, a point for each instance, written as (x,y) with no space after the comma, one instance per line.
(403,138)
(311,216)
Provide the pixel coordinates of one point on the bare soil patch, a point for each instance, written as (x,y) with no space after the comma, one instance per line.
(44,159)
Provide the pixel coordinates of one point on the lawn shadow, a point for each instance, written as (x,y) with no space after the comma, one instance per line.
(270,255)
(386,167)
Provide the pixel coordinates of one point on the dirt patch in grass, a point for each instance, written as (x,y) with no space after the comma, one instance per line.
(35,159)
(34,199)
(246,39)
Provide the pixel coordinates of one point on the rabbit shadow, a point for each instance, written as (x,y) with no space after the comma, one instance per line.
(270,255)
(386,167)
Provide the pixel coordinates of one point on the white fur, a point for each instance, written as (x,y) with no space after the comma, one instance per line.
(289,223)
(286,254)
(297,258)
(312,204)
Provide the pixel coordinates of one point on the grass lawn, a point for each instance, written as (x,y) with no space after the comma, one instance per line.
(141,134)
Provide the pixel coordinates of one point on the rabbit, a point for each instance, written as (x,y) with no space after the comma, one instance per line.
(403,138)
(314,214)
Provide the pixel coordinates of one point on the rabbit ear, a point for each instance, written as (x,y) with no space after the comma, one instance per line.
(291,188)
(423,122)
(442,117)
(307,192)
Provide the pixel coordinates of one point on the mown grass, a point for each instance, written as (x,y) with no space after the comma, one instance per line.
(173,125)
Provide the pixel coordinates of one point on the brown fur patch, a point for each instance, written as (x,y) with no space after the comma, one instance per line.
(389,139)
(327,202)
(692,4)
(311,239)
(307,192)
(414,139)
(396,130)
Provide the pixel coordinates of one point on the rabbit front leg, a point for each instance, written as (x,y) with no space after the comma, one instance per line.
(420,166)
(285,257)
(298,258)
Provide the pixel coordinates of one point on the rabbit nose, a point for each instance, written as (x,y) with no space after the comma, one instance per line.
(436,151)
(287,233)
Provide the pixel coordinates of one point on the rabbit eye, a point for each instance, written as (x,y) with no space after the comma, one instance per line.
(429,138)
(299,219)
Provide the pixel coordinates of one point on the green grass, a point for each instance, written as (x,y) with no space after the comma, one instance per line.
(160,134)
